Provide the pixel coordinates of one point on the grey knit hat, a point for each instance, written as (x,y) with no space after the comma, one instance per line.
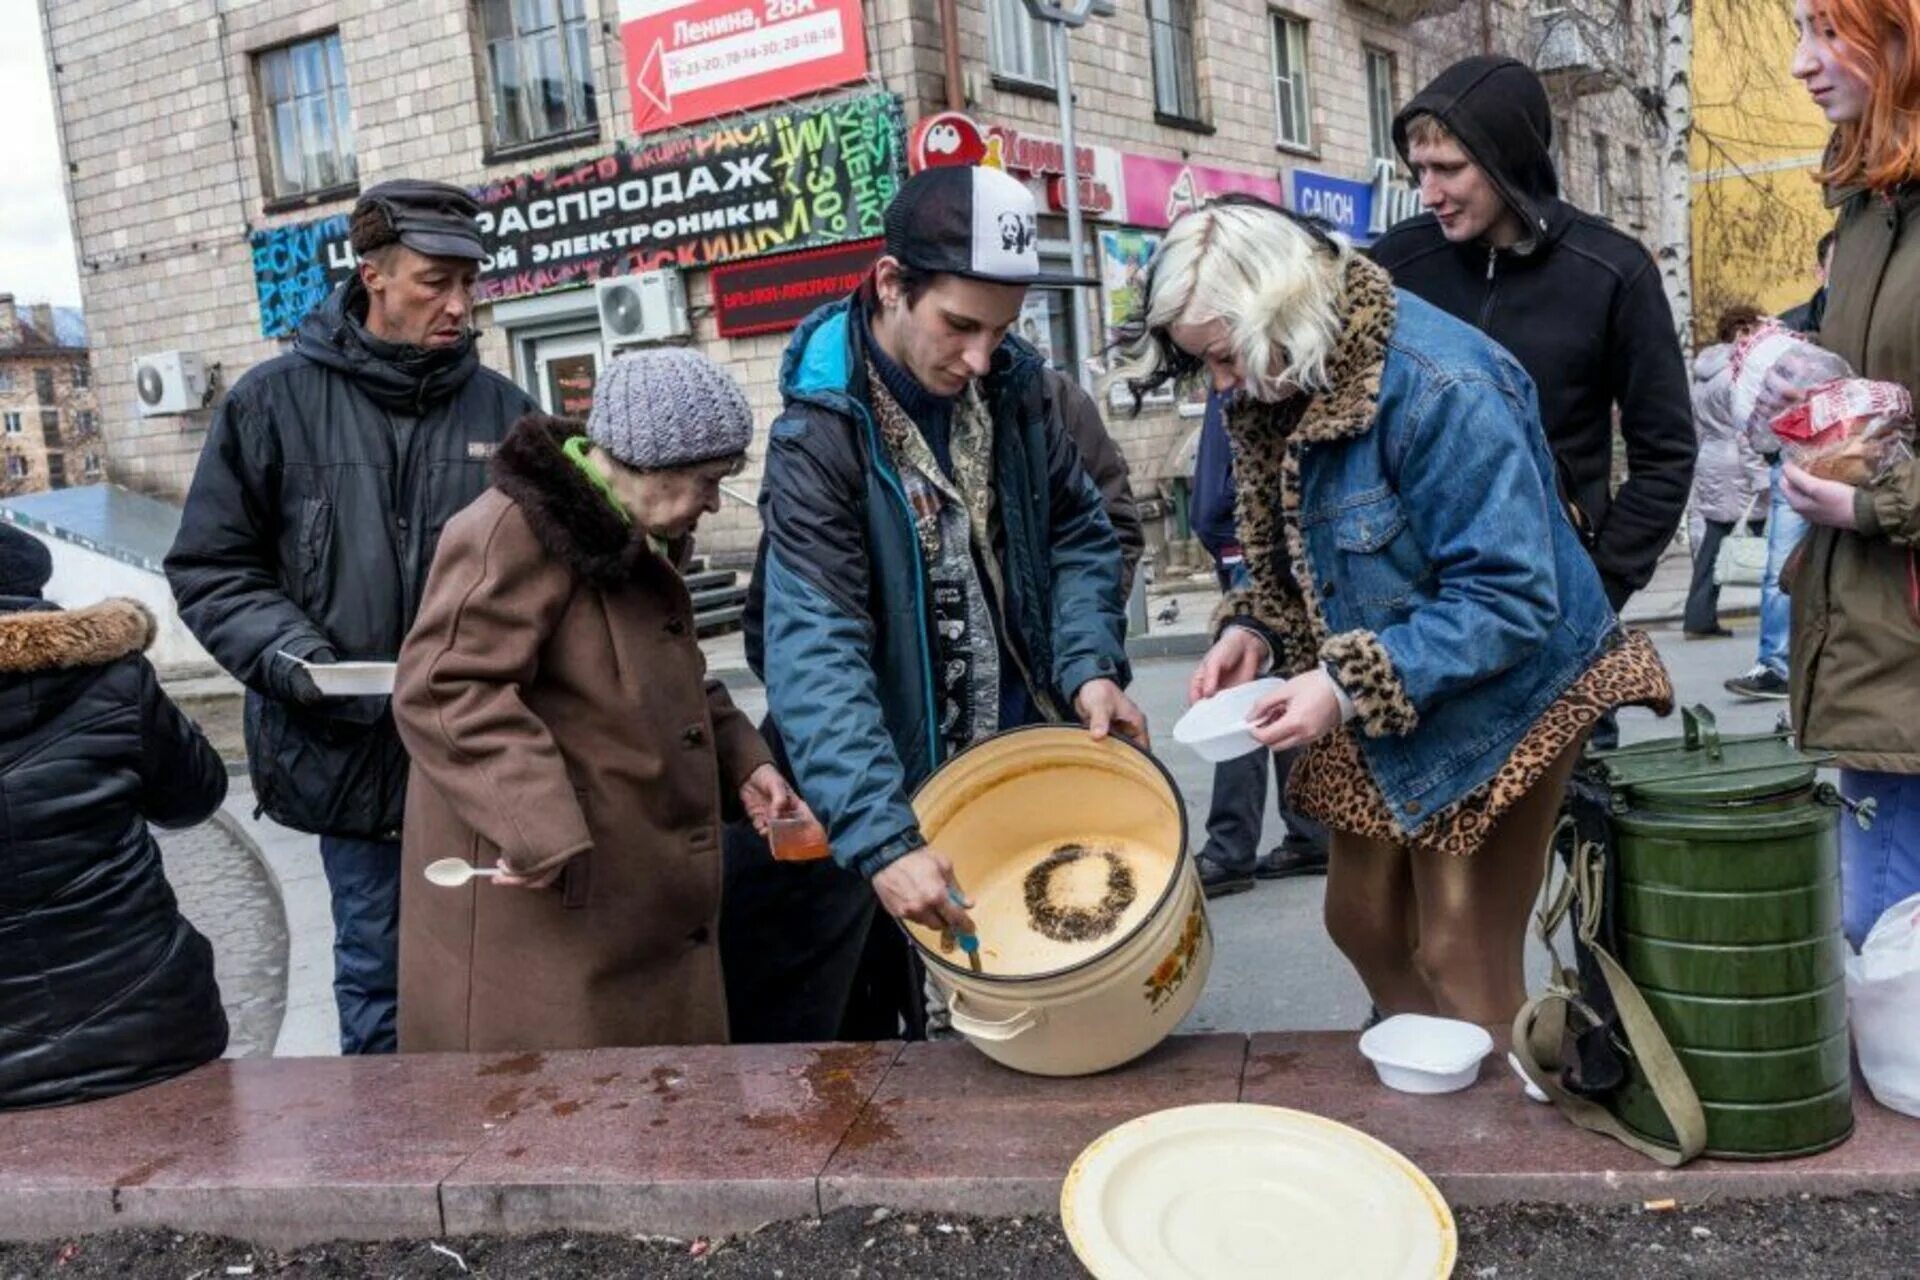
(669,407)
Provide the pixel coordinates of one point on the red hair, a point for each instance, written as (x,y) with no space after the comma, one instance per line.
(1879,41)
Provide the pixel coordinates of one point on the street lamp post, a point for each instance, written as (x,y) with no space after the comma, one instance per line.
(1060,15)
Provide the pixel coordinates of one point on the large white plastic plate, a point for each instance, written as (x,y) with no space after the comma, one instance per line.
(352,679)
(1233,1191)
(1216,727)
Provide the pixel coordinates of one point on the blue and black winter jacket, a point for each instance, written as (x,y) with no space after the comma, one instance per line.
(839,621)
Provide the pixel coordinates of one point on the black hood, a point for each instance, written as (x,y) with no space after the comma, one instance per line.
(1498,109)
(403,378)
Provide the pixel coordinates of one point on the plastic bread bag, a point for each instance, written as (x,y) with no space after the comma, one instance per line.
(1850,430)
(1773,368)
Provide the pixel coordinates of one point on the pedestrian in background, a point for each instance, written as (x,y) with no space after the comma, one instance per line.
(325,480)
(1446,641)
(104,986)
(1767,678)
(1730,481)
(564,730)
(1231,861)
(1855,582)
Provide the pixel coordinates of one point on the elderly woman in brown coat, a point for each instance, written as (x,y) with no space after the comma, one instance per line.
(562,728)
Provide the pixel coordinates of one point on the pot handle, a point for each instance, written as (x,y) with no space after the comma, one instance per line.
(997,1032)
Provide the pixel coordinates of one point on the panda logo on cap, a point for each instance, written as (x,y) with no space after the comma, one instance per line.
(1017,233)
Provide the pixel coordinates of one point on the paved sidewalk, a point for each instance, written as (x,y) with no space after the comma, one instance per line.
(292,862)
(224,893)
(715,1140)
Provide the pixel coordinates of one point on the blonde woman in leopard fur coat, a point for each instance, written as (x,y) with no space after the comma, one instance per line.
(1446,642)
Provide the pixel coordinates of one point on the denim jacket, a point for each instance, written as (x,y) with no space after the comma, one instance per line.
(1418,549)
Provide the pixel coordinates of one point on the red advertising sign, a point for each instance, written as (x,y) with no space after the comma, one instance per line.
(691,60)
(773,294)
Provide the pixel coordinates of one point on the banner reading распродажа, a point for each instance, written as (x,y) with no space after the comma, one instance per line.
(787,180)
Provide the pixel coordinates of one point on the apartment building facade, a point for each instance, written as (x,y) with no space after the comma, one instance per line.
(208,193)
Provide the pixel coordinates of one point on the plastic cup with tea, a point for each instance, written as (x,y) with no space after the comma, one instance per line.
(797,839)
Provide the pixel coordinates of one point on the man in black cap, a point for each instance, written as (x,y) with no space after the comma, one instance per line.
(935,567)
(1576,301)
(321,491)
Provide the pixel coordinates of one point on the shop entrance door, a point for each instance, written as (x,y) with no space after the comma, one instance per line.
(565,367)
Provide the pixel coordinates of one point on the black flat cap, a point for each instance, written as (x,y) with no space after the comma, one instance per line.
(433,218)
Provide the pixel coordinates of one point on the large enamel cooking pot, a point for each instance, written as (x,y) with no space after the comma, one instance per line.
(1094,941)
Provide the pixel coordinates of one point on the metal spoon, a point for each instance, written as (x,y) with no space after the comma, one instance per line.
(451,873)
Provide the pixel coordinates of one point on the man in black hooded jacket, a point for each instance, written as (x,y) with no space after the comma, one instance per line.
(1577,302)
(321,491)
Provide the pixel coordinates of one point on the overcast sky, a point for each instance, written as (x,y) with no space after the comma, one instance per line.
(36,246)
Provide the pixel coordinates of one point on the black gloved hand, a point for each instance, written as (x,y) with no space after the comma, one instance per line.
(291,682)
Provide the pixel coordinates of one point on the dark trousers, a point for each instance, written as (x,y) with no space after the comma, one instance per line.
(1703,594)
(364,877)
(808,954)
(1239,810)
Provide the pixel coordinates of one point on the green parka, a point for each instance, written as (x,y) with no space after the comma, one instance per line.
(1856,642)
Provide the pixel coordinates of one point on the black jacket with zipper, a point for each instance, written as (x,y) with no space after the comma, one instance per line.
(1578,303)
(104,986)
(322,488)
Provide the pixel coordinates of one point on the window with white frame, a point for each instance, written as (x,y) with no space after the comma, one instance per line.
(539,69)
(6,379)
(18,466)
(1380,100)
(82,377)
(13,424)
(1292,99)
(1176,80)
(1017,45)
(303,97)
(91,464)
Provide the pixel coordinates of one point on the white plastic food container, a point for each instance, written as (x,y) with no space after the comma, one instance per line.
(1216,728)
(1417,1054)
(352,679)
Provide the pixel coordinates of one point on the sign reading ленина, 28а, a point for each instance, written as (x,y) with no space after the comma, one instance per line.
(691,60)
(796,179)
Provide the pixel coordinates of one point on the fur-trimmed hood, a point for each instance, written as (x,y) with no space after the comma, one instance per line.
(570,517)
(36,637)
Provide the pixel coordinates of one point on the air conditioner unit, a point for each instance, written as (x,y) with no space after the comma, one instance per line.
(169,382)
(649,307)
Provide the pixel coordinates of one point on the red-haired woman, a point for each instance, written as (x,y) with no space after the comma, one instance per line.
(1856,588)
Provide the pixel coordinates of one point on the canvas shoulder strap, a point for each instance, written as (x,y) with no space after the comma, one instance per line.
(1540,1030)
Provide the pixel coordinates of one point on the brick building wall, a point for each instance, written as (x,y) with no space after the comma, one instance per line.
(167,177)
(48,413)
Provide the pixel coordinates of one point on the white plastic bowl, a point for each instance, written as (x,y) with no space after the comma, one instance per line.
(352,679)
(1417,1054)
(1216,728)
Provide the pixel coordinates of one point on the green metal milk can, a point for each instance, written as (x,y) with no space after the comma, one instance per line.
(1728,920)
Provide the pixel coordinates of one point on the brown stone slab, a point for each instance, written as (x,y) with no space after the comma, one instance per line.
(1490,1145)
(950,1130)
(280,1152)
(671,1140)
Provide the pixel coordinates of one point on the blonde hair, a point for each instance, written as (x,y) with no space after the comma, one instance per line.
(1429,129)
(1277,280)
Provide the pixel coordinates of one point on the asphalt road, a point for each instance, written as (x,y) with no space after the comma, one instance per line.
(1275,969)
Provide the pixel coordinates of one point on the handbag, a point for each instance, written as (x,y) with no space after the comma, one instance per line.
(1742,558)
